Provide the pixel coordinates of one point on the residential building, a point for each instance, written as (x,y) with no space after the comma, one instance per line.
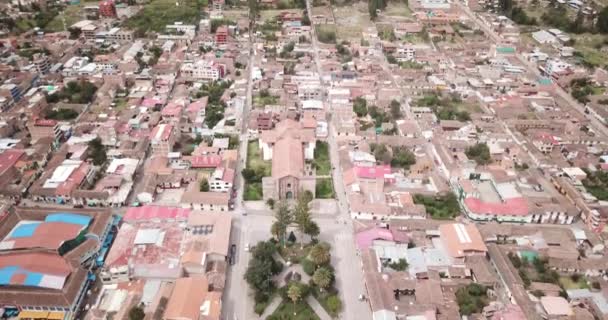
(162,138)
(203,70)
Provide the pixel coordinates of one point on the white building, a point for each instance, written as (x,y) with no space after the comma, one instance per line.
(203,70)
(556,67)
(221,180)
(310,92)
(405,53)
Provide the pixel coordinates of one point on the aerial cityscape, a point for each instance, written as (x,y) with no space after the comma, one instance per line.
(304,159)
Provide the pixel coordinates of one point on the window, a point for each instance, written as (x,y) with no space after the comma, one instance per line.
(289,185)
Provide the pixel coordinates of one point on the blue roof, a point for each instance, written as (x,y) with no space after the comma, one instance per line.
(25,230)
(69,218)
(33,279)
(6,274)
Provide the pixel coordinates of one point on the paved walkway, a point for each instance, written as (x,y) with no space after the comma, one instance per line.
(318,308)
(274,304)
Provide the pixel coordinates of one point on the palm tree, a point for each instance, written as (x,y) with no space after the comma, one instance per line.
(322,278)
(312,229)
(294,293)
(319,254)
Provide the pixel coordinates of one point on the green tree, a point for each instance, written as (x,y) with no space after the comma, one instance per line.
(270,202)
(381,153)
(283,218)
(204,186)
(97,152)
(403,158)
(334,305)
(396,110)
(360,107)
(400,265)
(136,313)
(294,293)
(262,267)
(602,20)
(322,278)
(480,153)
(312,229)
(319,254)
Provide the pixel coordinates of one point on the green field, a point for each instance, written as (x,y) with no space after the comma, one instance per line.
(287,309)
(72,14)
(159,13)
(321,161)
(569,284)
(589,47)
(324,189)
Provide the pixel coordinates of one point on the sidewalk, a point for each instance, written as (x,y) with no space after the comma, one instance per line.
(316,306)
(274,304)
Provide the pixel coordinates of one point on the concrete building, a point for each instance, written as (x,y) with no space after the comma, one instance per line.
(162,138)
(41,62)
(203,70)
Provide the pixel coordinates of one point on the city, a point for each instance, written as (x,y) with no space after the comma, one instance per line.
(303,159)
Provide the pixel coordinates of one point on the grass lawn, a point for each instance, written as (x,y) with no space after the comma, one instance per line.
(254,158)
(292,252)
(72,13)
(321,160)
(159,13)
(261,102)
(569,284)
(326,33)
(588,46)
(253,191)
(439,207)
(324,297)
(324,189)
(286,309)
(351,20)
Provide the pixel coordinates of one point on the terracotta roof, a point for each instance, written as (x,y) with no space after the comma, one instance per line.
(459,239)
(192,300)
(288,159)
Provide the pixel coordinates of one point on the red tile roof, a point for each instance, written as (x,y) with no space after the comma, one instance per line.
(512,207)
(9,158)
(156,212)
(211,161)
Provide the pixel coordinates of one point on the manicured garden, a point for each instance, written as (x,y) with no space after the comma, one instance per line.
(324,188)
(307,272)
(255,170)
(321,161)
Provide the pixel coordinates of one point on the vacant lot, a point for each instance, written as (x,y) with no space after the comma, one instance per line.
(269,14)
(72,14)
(398,9)
(589,48)
(158,13)
(352,20)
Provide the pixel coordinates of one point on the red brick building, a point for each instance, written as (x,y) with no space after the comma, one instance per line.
(221,35)
(107,8)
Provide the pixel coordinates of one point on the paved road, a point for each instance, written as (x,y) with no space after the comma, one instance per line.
(238,305)
(349,272)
